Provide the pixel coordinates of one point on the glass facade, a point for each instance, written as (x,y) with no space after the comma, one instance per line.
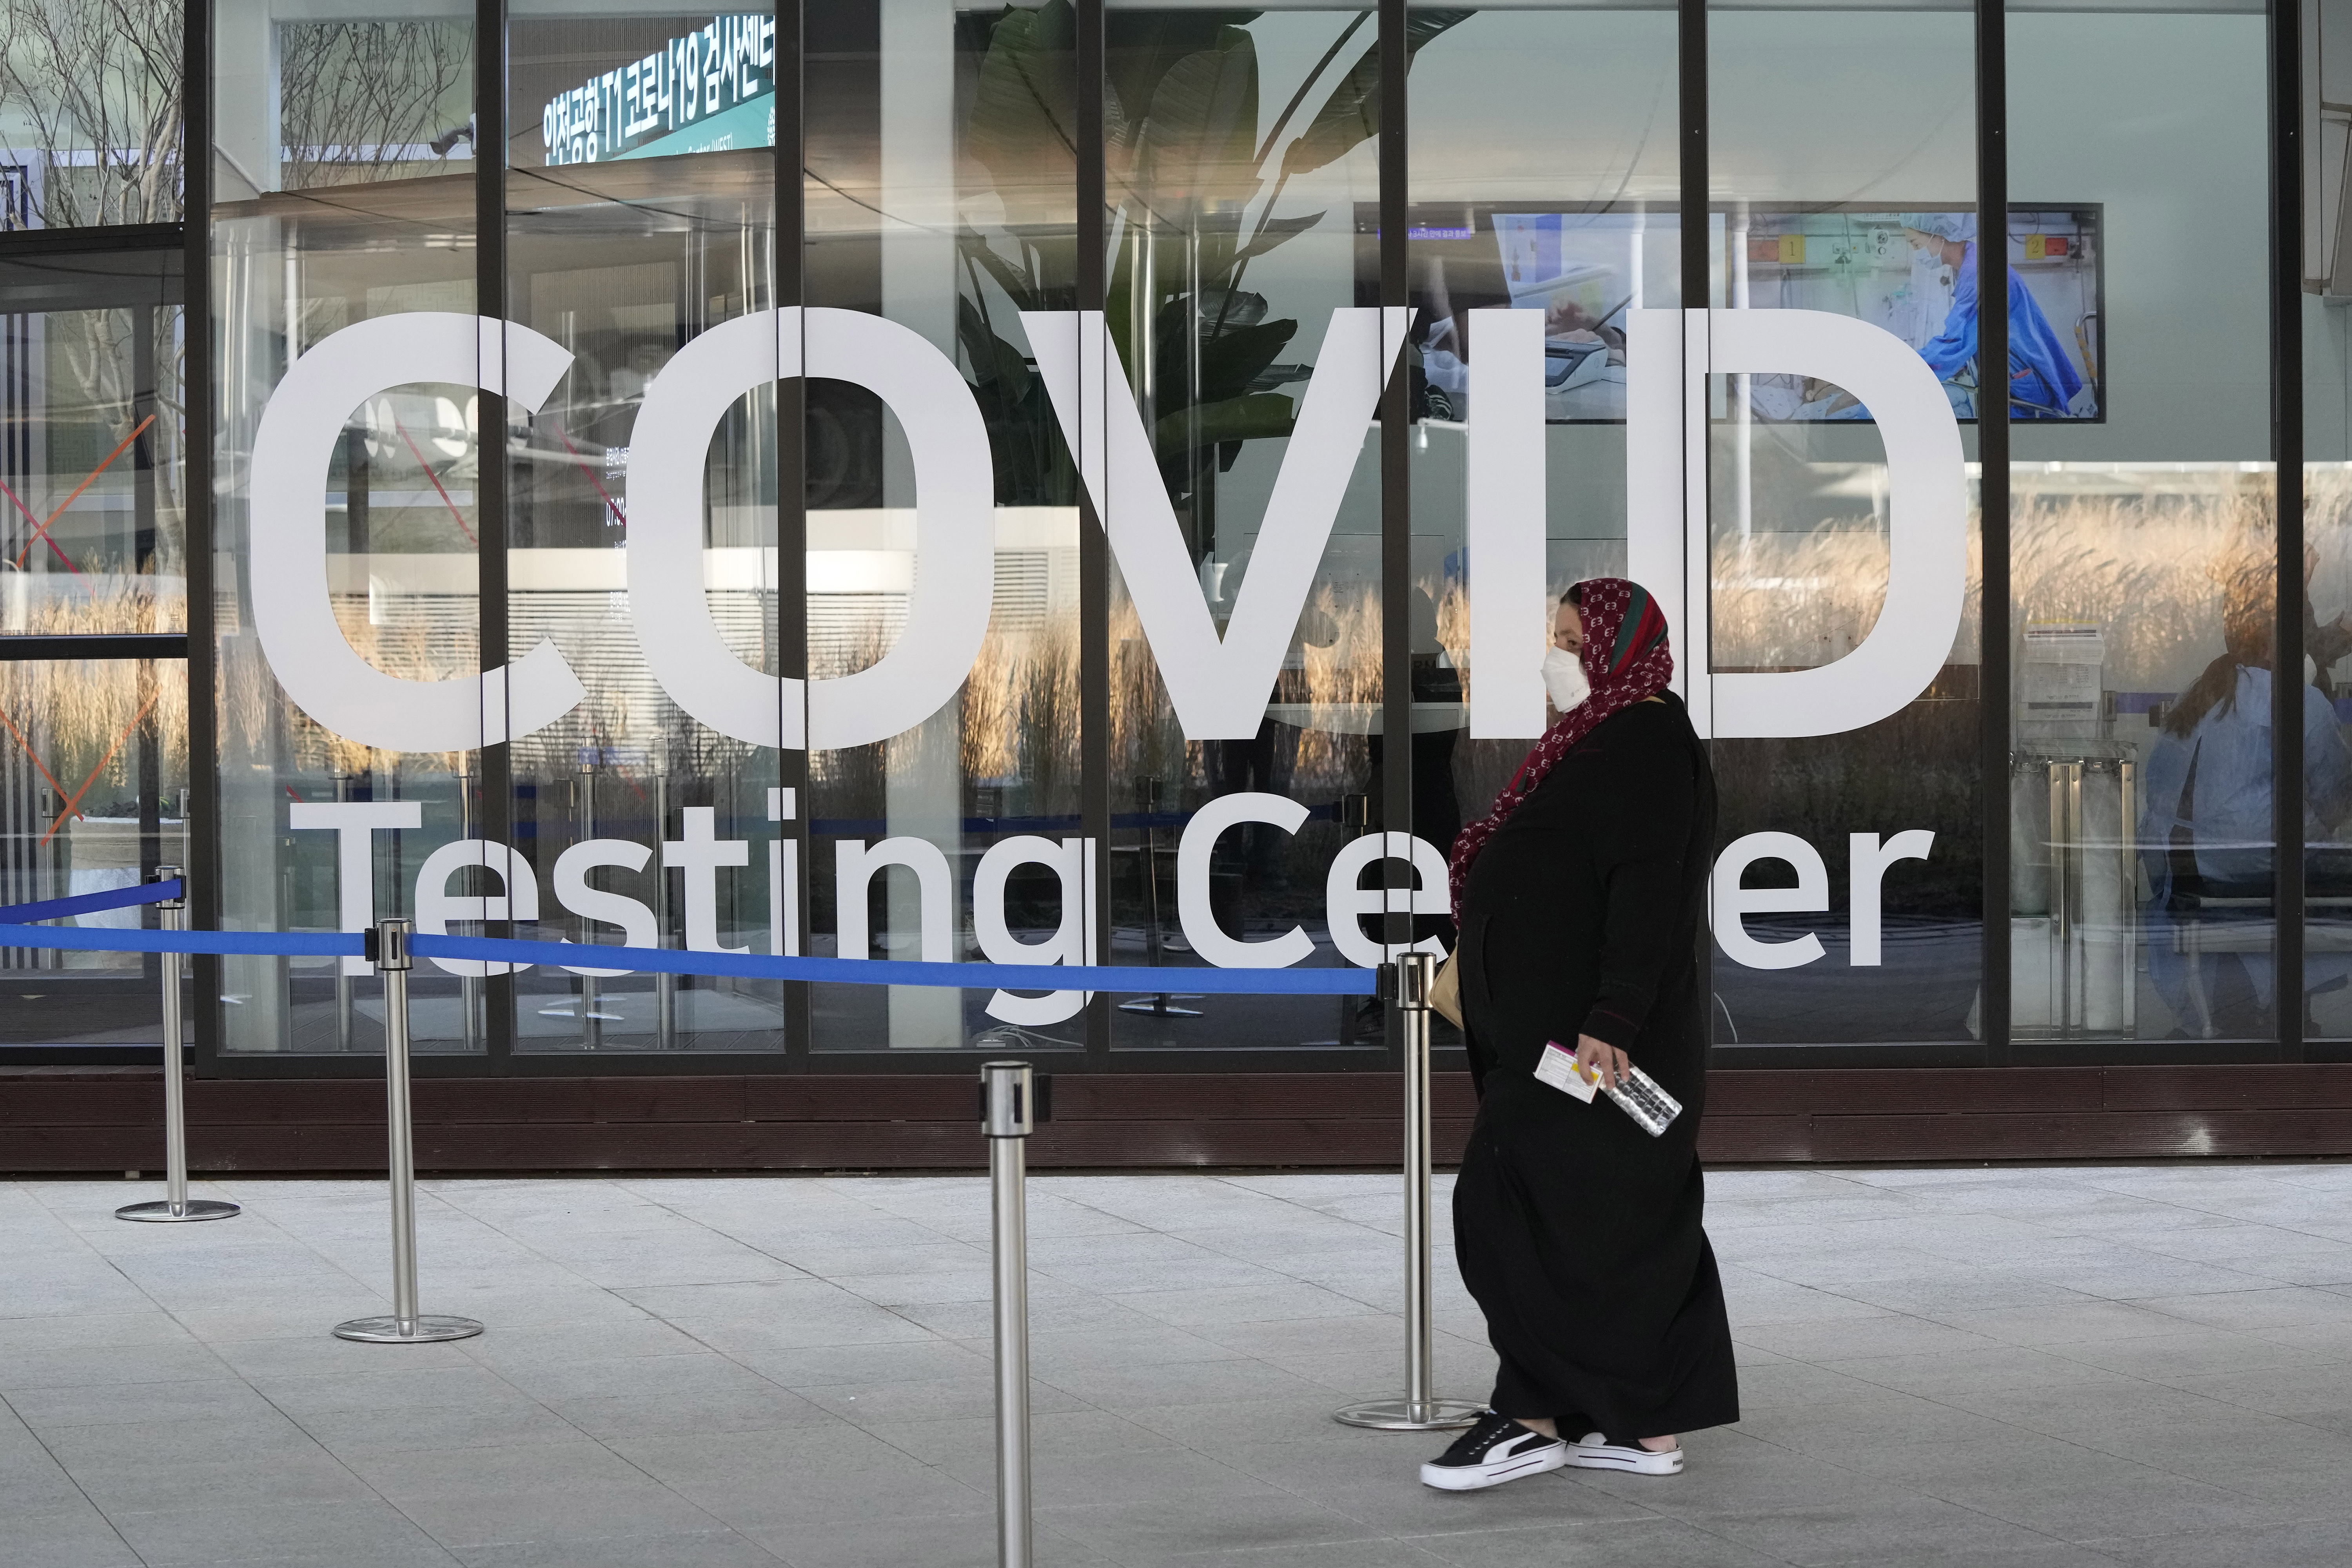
(1068,483)
(1802,531)
(2143,554)
(94,717)
(1241,186)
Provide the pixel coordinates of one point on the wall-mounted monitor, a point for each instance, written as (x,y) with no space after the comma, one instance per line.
(1912,272)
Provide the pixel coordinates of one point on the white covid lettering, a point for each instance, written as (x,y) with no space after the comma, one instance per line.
(1867,861)
(1218,685)
(436,905)
(294,616)
(1072,862)
(355,824)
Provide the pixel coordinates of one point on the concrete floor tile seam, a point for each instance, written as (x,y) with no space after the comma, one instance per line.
(1958,1491)
(2114,1321)
(698,1371)
(279,1400)
(1695,1546)
(542,1247)
(1956,1410)
(2192,1218)
(1169,1473)
(2201,1338)
(1807,1273)
(1732,1532)
(1862,1309)
(741,1549)
(70,1479)
(1921,1332)
(1619,1510)
(1750,1548)
(184,1364)
(1406,1477)
(2268,1419)
(1387,1187)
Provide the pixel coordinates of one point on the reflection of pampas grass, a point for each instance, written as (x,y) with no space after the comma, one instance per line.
(72,711)
(1021,711)
(1796,600)
(992,710)
(2152,570)
(851,780)
(2149,565)
(1792,600)
(1344,671)
(1453,624)
(415,653)
(1145,737)
(257,721)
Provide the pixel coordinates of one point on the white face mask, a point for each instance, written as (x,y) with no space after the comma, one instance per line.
(1563,674)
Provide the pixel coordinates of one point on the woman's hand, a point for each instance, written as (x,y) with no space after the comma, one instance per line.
(1602,1062)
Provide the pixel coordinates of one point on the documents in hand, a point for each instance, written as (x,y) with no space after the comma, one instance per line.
(1558,1068)
(1652,1108)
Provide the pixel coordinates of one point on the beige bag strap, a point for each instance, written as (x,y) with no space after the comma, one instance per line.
(1445,991)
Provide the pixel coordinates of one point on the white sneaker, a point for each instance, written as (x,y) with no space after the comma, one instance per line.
(1495,1450)
(1595,1452)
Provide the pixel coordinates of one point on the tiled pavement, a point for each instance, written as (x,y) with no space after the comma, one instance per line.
(1979,1368)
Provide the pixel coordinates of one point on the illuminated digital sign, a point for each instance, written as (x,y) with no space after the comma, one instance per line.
(710,89)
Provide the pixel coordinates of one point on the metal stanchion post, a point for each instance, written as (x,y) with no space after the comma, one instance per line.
(469,986)
(176,1204)
(1421,1411)
(1008,1106)
(342,973)
(664,986)
(388,948)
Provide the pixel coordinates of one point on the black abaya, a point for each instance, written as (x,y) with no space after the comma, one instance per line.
(1579,1233)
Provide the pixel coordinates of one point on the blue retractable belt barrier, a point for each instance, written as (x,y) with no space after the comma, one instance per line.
(1123,978)
(902,972)
(93,903)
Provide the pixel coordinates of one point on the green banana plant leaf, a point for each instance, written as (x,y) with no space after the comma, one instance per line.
(1351,115)
(1253,417)
(1227,366)
(1181,112)
(1022,123)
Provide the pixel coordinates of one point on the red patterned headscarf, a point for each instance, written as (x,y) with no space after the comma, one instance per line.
(1628,660)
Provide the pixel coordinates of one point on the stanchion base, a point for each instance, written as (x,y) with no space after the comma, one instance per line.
(159,1212)
(1408,1416)
(1161,1007)
(424,1329)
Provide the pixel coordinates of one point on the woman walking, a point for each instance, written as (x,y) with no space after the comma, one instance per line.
(1579,898)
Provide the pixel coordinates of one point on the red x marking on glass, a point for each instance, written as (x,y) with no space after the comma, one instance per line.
(41,529)
(74,805)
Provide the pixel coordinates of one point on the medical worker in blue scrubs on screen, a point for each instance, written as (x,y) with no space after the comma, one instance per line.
(2043,382)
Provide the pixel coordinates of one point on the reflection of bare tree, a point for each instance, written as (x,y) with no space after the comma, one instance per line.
(97,82)
(90,369)
(355,96)
(97,85)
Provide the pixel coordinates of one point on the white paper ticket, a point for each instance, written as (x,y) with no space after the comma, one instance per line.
(1558,1068)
